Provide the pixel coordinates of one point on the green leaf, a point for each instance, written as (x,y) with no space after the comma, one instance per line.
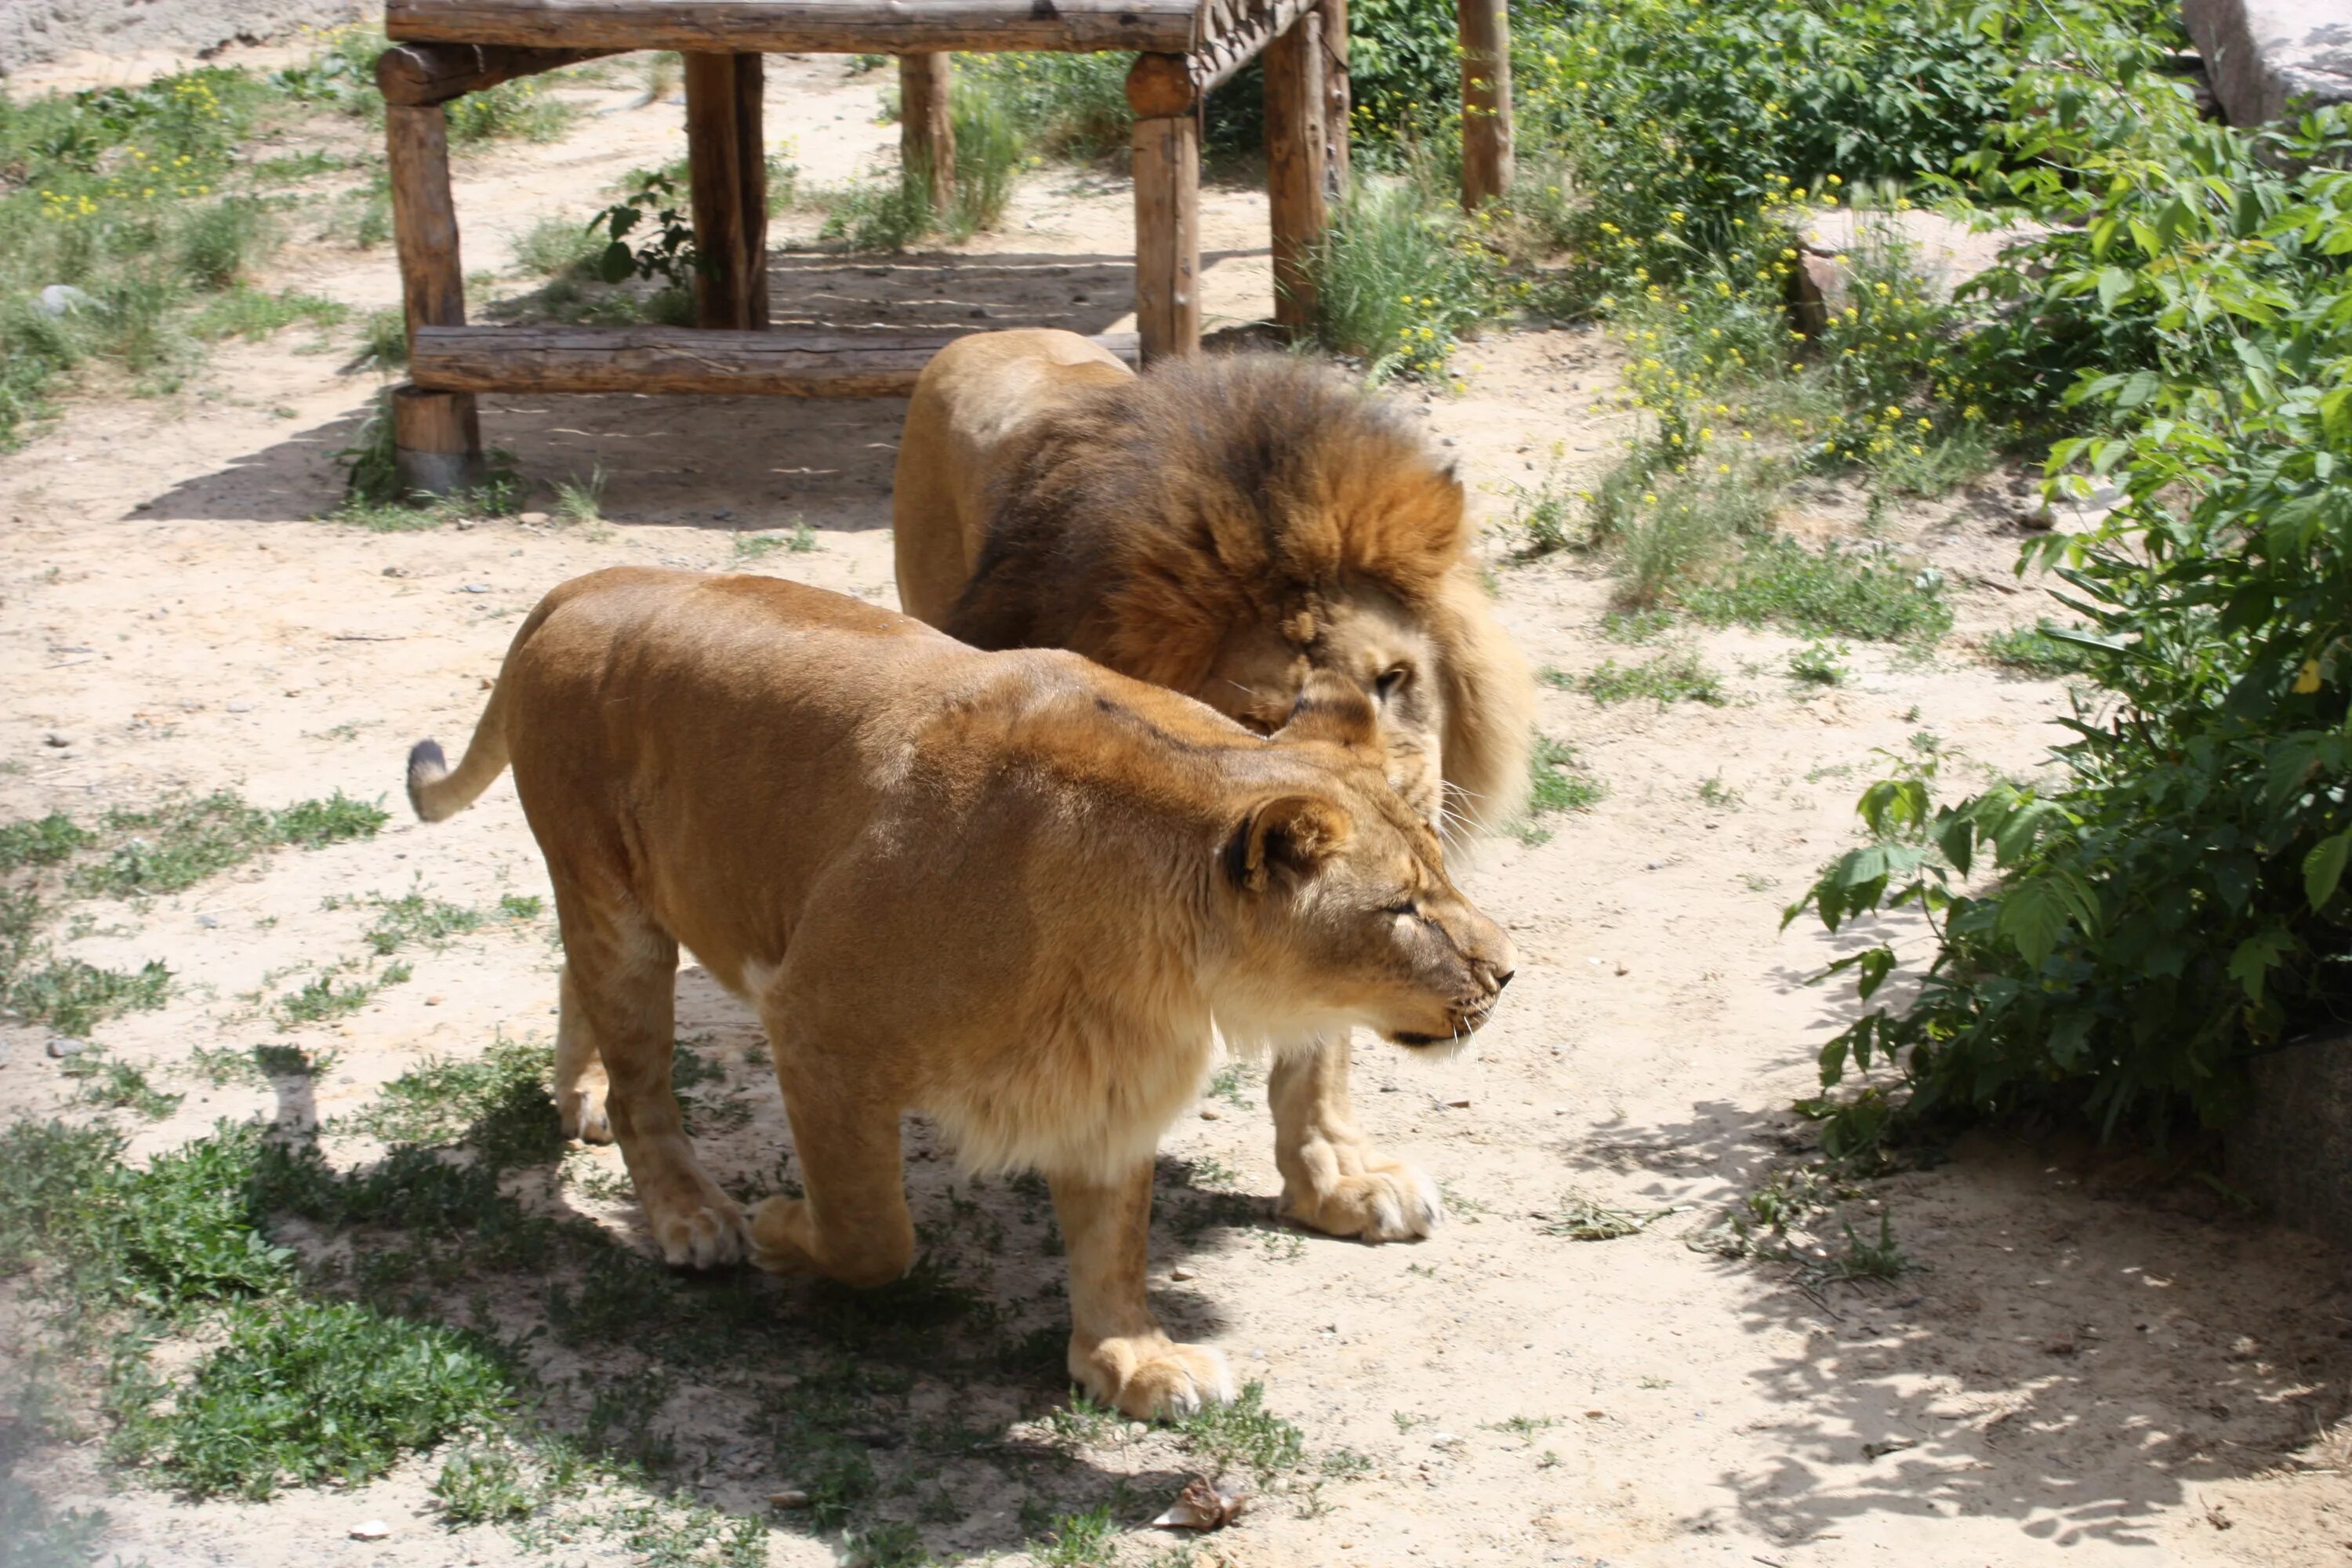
(2256,956)
(2032,917)
(2322,868)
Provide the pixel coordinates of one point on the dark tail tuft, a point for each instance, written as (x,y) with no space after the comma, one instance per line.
(428,764)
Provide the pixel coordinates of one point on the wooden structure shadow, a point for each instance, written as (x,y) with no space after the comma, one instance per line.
(443,49)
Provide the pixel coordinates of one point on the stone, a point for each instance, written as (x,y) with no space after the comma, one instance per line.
(240,707)
(58,738)
(63,299)
(791,1496)
(2293,1149)
(2264,55)
(64,1049)
(370,1530)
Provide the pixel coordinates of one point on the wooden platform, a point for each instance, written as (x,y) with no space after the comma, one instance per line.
(779,362)
(784,27)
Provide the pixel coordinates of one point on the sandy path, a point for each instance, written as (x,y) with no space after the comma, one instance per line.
(2077,1371)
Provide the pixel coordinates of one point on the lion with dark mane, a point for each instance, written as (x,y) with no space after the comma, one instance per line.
(1223,526)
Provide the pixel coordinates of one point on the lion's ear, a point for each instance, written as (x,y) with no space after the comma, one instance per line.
(1294,834)
(1332,708)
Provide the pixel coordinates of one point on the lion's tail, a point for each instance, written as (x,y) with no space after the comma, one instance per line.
(434,790)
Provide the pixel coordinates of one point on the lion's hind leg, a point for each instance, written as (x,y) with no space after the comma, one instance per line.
(580,1087)
(1333,1180)
(1119,1352)
(620,980)
(852,1225)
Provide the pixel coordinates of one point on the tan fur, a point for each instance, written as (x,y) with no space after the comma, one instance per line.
(1015,891)
(1225,527)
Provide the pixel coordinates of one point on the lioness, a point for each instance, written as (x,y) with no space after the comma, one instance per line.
(1011,890)
(1223,527)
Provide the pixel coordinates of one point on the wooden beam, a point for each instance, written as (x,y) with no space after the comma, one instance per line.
(436,440)
(435,73)
(424,217)
(1294,168)
(1168,236)
(1161,86)
(926,123)
(1485,101)
(727,166)
(840,26)
(782,362)
(1339,100)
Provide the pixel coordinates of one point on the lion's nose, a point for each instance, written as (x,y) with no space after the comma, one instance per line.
(1504,979)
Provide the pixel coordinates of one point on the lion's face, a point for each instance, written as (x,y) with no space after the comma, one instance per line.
(1367,638)
(1344,901)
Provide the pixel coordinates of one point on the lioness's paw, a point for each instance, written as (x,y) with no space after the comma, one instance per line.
(1150,1379)
(1382,1200)
(584,1116)
(705,1233)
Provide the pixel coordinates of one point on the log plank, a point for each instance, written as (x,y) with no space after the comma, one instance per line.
(841,27)
(420,74)
(780,363)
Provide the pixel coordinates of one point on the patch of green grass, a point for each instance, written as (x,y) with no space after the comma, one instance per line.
(1668,528)
(253,315)
(1061,105)
(2032,650)
(74,996)
(1545,519)
(520,111)
(801,541)
(118,1086)
(259,1065)
(1714,792)
(557,248)
(1820,664)
(41,841)
(1637,628)
(179,844)
(1880,1259)
(521,906)
(1677,676)
(891,1543)
(305,1392)
(322,998)
(580,500)
(498,1102)
(1556,782)
(1834,592)
(1243,1435)
(1080,1540)
(414,918)
(383,341)
(888,210)
(1399,279)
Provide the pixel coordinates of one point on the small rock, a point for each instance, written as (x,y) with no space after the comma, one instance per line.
(979,313)
(240,707)
(1208,1114)
(724,514)
(465,525)
(210,923)
(4,1053)
(1458,1105)
(63,299)
(1657,864)
(1445,441)
(394,572)
(1443,1440)
(534,518)
(791,1496)
(1137,1431)
(62,1047)
(475,588)
(370,1530)
(1183,1274)
(434,1001)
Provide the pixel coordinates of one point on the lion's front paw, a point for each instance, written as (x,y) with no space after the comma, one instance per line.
(697,1229)
(1370,1196)
(1151,1377)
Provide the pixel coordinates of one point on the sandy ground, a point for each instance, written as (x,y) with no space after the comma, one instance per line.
(2082,1367)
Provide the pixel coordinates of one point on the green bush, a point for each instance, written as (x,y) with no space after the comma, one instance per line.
(2175,902)
(1398,279)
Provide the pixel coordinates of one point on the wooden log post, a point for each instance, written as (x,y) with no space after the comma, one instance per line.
(1167,147)
(1295,168)
(1485,102)
(1339,100)
(926,124)
(436,436)
(728,167)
